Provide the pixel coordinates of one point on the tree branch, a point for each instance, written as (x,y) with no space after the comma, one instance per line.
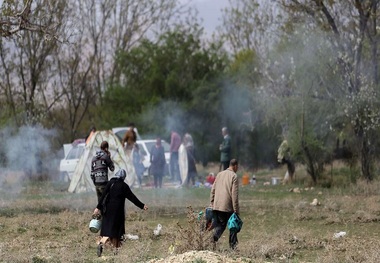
(13,24)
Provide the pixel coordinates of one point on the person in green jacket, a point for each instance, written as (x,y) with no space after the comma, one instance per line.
(225,149)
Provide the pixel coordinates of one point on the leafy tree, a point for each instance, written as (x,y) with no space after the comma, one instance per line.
(169,82)
(315,97)
(350,27)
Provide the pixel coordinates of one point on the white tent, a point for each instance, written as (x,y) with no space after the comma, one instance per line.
(81,180)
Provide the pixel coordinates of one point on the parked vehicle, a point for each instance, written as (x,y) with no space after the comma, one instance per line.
(145,146)
(70,161)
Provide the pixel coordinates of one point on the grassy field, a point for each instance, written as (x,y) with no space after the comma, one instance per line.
(42,222)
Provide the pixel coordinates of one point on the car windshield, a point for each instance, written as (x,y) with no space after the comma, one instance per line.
(75,153)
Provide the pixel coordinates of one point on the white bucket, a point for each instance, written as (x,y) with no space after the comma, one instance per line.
(275,180)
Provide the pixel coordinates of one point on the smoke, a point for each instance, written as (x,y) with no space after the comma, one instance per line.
(27,153)
(162,118)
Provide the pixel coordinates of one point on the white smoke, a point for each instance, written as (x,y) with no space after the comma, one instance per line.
(28,150)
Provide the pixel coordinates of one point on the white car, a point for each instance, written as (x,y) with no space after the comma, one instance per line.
(68,164)
(145,146)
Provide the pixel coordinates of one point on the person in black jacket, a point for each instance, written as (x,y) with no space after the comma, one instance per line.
(113,220)
(100,164)
(191,161)
(157,160)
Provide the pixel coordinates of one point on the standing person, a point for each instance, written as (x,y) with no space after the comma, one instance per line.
(137,163)
(175,143)
(130,137)
(100,164)
(284,157)
(157,160)
(224,199)
(188,141)
(192,168)
(113,219)
(191,161)
(225,149)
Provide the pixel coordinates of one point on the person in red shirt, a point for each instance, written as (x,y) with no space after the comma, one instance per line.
(210,178)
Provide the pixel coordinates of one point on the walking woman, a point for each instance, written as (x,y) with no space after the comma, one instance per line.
(157,160)
(113,215)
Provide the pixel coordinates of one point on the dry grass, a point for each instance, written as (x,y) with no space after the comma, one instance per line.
(42,223)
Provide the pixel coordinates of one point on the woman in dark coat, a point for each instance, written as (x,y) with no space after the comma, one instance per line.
(157,160)
(113,219)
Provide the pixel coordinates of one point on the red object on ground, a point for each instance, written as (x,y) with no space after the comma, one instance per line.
(210,178)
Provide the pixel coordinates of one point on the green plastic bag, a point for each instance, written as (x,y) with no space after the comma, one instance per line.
(234,223)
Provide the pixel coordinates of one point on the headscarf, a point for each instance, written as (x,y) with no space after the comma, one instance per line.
(121,174)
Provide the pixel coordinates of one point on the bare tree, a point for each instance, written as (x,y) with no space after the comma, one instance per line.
(88,66)
(46,78)
(251,25)
(28,69)
(27,16)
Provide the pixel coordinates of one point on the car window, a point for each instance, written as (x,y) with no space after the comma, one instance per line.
(166,146)
(149,145)
(142,150)
(75,153)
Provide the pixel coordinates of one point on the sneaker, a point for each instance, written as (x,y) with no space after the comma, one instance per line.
(99,251)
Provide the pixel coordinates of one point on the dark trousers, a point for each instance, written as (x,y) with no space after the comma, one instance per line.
(225,165)
(221,219)
(191,178)
(157,180)
(174,166)
(99,191)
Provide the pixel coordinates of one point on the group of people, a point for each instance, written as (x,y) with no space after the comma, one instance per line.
(182,159)
(111,194)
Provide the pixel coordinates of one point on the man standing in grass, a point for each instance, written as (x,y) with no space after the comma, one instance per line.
(224,199)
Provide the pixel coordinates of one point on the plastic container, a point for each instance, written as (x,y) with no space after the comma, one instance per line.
(209,213)
(253,180)
(95,225)
(275,180)
(245,179)
(157,231)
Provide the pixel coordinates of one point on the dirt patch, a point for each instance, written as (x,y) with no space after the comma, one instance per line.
(200,256)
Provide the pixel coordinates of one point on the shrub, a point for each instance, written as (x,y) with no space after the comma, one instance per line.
(193,236)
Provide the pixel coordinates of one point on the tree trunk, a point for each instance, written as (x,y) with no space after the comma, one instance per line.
(366,160)
(309,163)
(365,154)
